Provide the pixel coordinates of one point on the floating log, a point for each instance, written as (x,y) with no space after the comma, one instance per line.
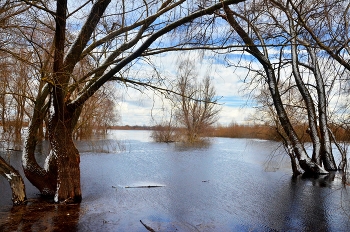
(145,186)
(146,226)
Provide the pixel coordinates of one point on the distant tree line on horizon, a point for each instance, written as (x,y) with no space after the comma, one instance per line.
(253,131)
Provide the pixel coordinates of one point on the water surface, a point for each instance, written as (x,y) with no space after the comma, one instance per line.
(230,185)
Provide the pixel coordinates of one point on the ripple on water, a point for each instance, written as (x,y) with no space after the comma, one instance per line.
(221,187)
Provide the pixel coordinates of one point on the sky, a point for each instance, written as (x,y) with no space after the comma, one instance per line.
(136,108)
(146,108)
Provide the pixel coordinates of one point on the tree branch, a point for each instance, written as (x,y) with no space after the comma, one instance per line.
(87,92)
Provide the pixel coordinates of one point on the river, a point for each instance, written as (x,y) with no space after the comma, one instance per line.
(228,185)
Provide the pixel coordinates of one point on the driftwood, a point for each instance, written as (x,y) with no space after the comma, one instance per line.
(146,226)
(141,186)
(145,186)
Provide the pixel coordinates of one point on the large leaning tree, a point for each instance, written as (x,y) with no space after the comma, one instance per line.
(290,40)
(113,35)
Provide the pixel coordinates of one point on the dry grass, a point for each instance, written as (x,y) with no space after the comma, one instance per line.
(269,133)
(245,131)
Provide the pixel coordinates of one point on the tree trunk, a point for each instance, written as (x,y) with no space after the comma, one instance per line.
(61,175)
(289,149)
(309,103)
(43,179)
(16,182)
(293,162)
(326,152)
(343,163)
(310,108)
(304,160)
(65,157)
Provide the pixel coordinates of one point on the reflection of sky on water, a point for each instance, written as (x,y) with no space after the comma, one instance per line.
(223,187)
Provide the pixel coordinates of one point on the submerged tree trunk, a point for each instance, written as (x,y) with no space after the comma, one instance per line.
(292,157)
(343,163)
(309,103)
(65,157)
(289,149)
(326,152)
(61,175)
(304,160)
(43,179)
(16,182)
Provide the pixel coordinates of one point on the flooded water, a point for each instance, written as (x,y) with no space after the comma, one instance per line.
(229,185)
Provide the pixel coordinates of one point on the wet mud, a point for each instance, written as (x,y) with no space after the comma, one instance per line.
(40,215)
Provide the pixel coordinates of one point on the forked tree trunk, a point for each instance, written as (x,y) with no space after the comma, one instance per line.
(61,175)
(305,161)
(64,157)
(309,103)
(326,145)
(16,182)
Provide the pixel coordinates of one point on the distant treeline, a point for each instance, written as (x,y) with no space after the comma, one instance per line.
(270,133)
(255,131)
(127,127)
(245,131)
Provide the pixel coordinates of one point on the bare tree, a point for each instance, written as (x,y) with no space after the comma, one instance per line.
(10,100)
(98,114)
(193,107)
(319,133)
(166,130)
(305,161)
(113,39)
(298,30)
(196,106)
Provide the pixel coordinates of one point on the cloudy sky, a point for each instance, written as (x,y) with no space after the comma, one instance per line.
(138,108)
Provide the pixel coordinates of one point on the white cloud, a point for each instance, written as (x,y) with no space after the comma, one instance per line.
(235,114)
(140,109)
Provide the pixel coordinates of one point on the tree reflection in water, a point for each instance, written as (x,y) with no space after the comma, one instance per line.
(224,186)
